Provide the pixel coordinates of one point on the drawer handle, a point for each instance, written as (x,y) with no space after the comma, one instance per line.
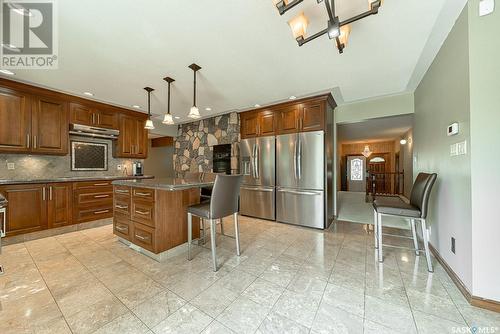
(99,212)
(101,184)
(142,212)
(143,194)
(121,191)
(121,206)
(140,237)
(121,229)
(101,196)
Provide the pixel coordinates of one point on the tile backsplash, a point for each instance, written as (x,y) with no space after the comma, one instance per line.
(50,166)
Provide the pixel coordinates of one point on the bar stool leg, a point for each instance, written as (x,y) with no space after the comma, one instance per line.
(375,228)
(221,227)
(237,232)
(204,230)
(379,237)
(426,246)
(414,234)
(212,242)
(190,234)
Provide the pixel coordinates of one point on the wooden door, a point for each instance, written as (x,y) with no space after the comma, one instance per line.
(126,136)
(15,122)
(312,117)
(288,120)
(141,139)
(50,125)
(107,119)
(378,164)
(267,123)
(59,208)
(81,114)
(27,209)
(249,125)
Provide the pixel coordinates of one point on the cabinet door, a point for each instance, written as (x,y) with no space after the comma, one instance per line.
(249,125)
(50,125)
(27,210)
(312,117)
(107,119)
(59,208)
(15,122)
(81,114)
(267,123)
(288,120)
(141,139)
(125,138)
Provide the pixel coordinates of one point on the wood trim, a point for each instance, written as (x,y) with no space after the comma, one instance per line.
(162,141)
(318,98)
(488,304)
(16,86)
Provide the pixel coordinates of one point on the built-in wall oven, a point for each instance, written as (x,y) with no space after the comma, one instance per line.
(222,159)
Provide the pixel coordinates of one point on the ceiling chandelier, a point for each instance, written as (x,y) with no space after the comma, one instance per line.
(194,112)
(149,123)
(366,152)
(336,29)
(168,116)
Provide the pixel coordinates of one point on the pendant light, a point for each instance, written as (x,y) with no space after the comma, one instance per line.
(194,112)
(168,116)
(366,152)
(149,123)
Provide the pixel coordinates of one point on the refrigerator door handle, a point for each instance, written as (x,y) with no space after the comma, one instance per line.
(298,192)
(257,162)
(299,159)
(252,161)
(295,159)
(257,189)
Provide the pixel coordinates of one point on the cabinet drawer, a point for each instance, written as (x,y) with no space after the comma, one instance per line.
(122,190)
(143,193)
(94,197)
(143,236)
(122,205)
(92,184)
(143,212)
(90,214)
(121,227)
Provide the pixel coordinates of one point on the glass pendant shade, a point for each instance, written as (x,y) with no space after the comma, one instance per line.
(149,125)
(194,112)
(344,34)
(366,152)
(167,119)
(298,25)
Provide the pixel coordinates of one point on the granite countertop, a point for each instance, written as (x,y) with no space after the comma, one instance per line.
(168,183)
(73,179)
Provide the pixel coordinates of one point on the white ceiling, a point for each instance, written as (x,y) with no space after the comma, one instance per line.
(245,49)
(377,129)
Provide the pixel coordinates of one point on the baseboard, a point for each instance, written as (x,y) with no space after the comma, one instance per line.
(488,304)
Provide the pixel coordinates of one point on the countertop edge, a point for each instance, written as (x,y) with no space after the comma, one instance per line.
(160,186)
(75,179)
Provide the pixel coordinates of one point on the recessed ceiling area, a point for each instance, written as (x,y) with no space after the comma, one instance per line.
(245,48)
(376,129)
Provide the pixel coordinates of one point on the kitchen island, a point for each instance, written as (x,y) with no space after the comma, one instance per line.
(151,215)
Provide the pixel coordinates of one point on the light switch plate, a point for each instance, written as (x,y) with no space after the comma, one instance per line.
(462,148)
(453,150)
(11,166)
(486,7)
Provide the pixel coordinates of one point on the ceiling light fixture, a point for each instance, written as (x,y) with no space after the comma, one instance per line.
(208,109)
(257,105)
(366,152)
(335,28)
(177,117)
(293,97)
(88,93)
(168,116)
(403,141)
(149,123)
(136,106)
(194,112)
(7,72)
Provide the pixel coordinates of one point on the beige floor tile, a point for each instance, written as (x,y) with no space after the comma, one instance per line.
(275,323)
(243,315)
(216,327)
(349,300)
(330,319)
(138,293)
(393,316)
(299,307)
(429,324)
(236,280)
(158,308)
(188,319)
(82,296)
(124,324)
(263,292)
(214,300)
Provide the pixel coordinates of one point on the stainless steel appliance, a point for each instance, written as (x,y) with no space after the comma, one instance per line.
(137,168)
(222,158)
(257,194)
(3,226)
(93,131)
(300,186)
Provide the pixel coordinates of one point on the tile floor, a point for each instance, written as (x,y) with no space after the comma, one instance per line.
(287,280)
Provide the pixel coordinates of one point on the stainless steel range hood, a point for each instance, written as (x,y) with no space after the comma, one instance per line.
(93,131)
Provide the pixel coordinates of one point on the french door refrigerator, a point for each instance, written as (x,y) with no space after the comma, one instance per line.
(300,170)
(257,193)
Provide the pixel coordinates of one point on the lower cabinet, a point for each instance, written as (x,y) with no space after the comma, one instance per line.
(92,200)
(59,204)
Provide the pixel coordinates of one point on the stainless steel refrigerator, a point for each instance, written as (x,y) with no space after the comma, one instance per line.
(300,172)
(257,193)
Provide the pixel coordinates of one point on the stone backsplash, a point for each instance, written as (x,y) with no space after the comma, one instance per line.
(50,166)
(194,143)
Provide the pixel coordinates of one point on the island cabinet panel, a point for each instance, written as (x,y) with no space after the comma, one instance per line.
(122,226)
(50,125)
(143,212)
(92,200)
(15,121)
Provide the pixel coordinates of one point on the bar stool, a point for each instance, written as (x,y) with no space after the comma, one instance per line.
(223,202)
(415,210)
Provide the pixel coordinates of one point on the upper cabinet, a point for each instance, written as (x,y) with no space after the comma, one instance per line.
(49,126)
(15,121)
(133,139)
(290,117)
(85,115)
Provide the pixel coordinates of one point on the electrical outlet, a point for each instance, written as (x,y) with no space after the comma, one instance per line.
(453,245)
(11,166)
(118,167)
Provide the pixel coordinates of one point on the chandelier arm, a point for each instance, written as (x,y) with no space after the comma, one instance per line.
(302,41)
(282,8)
(359,17)
(330,9)
(168,105)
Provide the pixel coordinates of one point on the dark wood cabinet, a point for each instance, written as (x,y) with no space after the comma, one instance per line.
(288,119)
(27,210)
(49,126)
(85,115)
(92,201)
(312,117)
(267,123)
(59,205)
(258,124)
(15,121)
(133,139)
